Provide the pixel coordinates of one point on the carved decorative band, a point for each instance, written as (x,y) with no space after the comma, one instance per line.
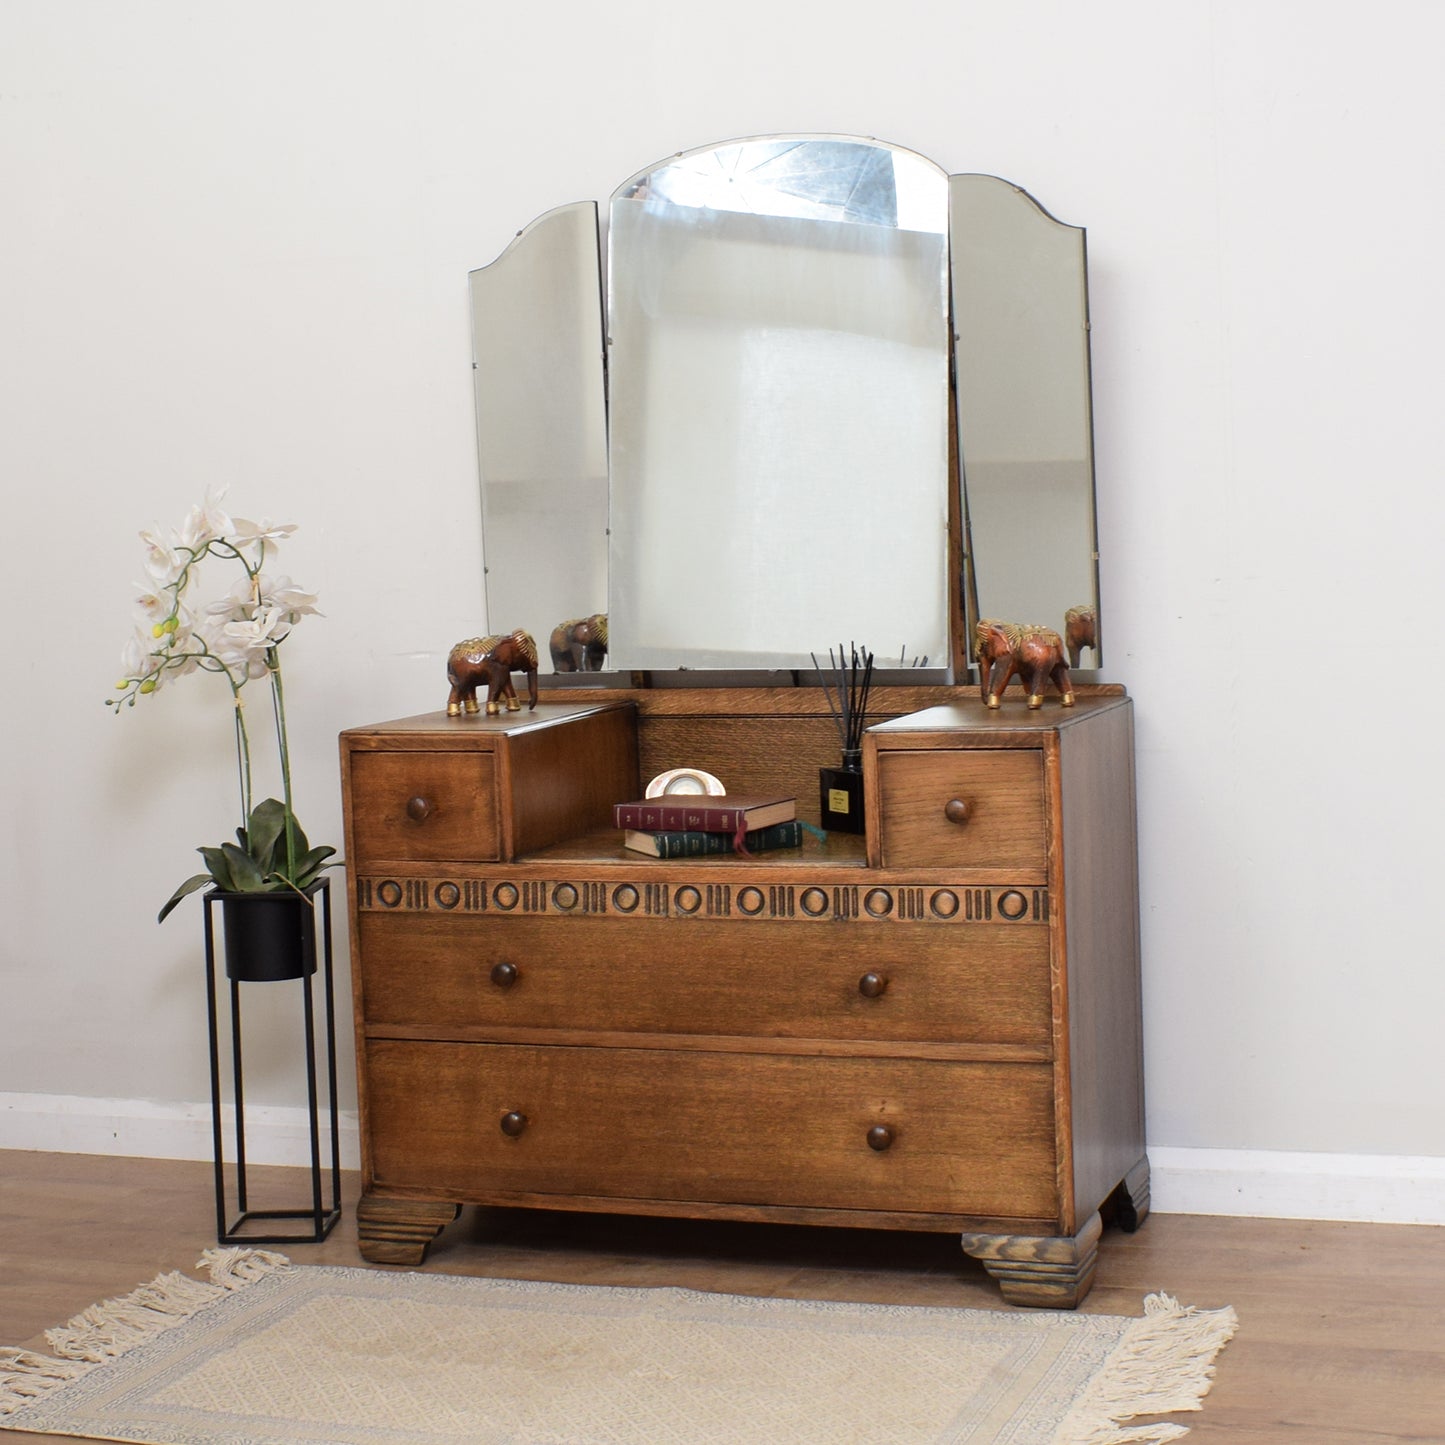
(907,903)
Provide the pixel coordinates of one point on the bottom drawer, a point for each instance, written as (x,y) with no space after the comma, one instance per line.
(966,1138)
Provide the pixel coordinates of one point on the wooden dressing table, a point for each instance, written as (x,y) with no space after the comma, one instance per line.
(935,1026)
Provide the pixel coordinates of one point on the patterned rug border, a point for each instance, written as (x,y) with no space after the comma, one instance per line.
(1162,1362)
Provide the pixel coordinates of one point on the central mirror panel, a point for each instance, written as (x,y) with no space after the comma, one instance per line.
(778,364)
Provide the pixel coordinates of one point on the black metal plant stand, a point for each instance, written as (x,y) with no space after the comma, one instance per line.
(323,1217)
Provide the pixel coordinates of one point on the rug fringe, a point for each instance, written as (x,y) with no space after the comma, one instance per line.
(109,1329)
(117,1325)
(1163,1363)
(235,1268)
(24,1376)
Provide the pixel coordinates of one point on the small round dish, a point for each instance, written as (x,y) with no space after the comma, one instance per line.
(685,780)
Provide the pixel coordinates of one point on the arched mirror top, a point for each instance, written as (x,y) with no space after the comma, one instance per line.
(817,178)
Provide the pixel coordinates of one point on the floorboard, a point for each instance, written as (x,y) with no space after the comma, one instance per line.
(1342,1326)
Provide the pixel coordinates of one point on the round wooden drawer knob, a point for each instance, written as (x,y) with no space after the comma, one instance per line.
(504,975)
(957,811)
(513,1124)
(418,809)
(872,985)
(880,1136)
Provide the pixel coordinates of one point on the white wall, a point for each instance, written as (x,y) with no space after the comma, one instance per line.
(235,249)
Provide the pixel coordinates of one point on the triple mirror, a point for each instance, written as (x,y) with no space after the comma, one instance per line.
(819,390)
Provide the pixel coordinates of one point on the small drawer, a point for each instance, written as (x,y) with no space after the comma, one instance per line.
(487,1122)
(423,806)
(963,809)
(887,982)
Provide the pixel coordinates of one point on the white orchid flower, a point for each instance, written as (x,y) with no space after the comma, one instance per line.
(283,593)
(153,605)
(266,533)
(136,658)
(163,562)
(257,634)
(238,604)
(205,524)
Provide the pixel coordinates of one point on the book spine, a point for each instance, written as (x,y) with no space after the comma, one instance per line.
(694,844)
(660,816)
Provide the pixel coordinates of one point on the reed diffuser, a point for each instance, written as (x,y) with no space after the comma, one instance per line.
(845,685)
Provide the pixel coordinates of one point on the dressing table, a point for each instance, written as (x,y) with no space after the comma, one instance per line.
(932,1025)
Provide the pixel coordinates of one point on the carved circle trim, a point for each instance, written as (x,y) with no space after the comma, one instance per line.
(505,896)
(447,895)
(625,898)
(751,900)
(814,901)
(944,903)
(565,896)
(1013,904)
(688,899)
(389,893)
(878,902)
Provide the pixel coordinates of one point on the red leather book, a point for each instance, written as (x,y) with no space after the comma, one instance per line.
(698,813)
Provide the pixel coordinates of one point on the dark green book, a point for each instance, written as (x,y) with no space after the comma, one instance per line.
(697,845)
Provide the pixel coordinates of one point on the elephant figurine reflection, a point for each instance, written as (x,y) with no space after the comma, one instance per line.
(1035,653)
(491,660)
(579,645)
(1081,630)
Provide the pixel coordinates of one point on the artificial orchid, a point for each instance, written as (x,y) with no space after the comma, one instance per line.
(238,637)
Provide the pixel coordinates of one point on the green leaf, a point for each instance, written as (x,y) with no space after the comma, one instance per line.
(220,868)
(186,888)
(246,877)
(298,838)
(310,865)
(263,828)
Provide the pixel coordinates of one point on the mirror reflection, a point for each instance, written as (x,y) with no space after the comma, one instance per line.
(1021,321)
(751,445)
(542,424)
(778,361)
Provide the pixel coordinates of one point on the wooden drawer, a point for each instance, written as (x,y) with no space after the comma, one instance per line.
(943,983)
(423,806)
(972,1139)
(1002,791)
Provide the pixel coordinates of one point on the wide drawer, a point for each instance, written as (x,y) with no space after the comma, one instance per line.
(423,806)
(486,1122)
(878,982)
(963,809)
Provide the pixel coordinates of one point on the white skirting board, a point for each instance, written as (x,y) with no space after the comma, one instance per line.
(1376,1188)
(1277,1184)
(67,1124)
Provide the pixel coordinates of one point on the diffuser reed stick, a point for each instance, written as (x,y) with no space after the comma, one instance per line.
(852,676)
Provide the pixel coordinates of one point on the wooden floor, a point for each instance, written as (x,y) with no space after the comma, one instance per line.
(1342,1326)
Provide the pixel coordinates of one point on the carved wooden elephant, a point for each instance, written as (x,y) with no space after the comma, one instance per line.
(491,660)
(992,640)
(1081,630)
(1036,654)
(579,645)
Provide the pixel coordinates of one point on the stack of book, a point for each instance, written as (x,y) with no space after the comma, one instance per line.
(693,825)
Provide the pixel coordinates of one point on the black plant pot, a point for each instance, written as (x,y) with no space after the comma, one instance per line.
(269,936)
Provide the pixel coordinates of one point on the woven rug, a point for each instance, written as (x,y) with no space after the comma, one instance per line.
(273,1354)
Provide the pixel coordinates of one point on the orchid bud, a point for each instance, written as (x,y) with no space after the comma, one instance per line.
(149,685)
